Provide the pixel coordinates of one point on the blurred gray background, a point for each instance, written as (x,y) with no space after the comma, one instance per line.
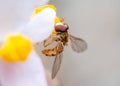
(97,22)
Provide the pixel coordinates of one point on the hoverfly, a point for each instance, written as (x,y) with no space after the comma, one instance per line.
(62,38)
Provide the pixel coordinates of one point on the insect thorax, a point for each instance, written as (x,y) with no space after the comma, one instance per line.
(63,37)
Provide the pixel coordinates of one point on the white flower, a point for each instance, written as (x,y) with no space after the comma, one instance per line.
(27,72)
(41,24)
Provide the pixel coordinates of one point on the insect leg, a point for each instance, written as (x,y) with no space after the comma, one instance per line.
(37,43)
(52,40)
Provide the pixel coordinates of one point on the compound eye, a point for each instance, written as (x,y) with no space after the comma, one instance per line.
(61,28)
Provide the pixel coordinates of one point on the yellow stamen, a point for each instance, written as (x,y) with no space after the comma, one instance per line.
(15,48)
(57,20)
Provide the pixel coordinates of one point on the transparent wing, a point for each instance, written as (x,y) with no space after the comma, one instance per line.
(57,63)
(78,44)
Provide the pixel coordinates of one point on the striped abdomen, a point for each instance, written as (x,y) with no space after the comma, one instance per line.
(50,52)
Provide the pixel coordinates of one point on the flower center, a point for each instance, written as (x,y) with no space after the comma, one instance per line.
(15,48)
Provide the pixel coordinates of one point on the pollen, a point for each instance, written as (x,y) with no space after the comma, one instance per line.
(15,48)
(57,20)
(39,9)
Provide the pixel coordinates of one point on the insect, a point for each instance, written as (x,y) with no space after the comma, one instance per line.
(62,37)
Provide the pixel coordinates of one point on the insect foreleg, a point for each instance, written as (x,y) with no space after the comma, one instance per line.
(53,39)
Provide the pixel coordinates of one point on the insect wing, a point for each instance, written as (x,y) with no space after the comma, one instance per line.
(57,63)
(78,44)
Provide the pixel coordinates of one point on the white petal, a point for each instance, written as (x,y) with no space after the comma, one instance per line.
(41,26)
(29,73)
(21,12)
